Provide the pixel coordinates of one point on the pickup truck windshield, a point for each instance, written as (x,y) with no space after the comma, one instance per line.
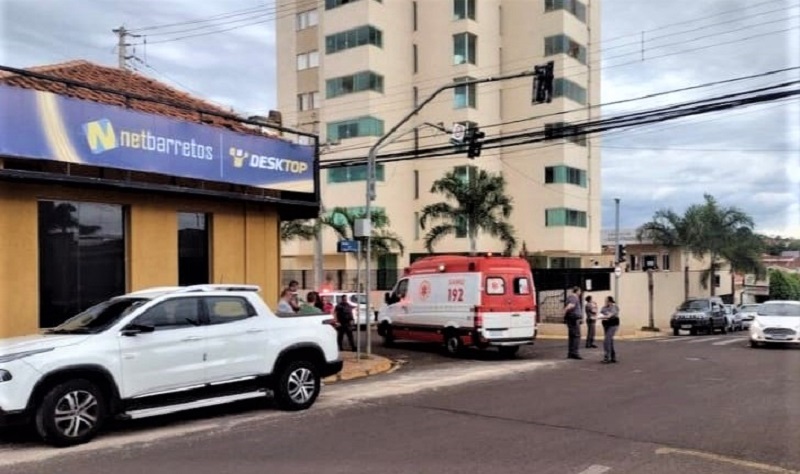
(694,305)
(99,317)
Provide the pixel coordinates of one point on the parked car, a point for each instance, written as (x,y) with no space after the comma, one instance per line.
(776,322)
(734,318)
(748,313)
(160,351)
(700,315)
(358,301)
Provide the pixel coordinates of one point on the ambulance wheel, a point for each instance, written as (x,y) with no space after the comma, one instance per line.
(452,343)
(387,333)
(508,352)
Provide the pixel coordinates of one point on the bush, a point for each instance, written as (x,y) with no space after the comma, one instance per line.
(783,285)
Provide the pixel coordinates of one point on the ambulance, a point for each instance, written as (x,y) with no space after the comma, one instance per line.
(480,301)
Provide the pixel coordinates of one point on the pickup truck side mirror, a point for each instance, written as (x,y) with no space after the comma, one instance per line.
(132,330)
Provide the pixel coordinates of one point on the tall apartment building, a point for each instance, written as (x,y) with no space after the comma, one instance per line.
(351,69)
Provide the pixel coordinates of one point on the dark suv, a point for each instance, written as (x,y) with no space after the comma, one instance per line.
(700,315)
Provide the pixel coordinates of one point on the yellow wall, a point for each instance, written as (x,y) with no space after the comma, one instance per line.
(245,245)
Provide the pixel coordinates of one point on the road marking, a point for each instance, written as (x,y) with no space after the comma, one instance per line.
(730,341)
(704,339)
(726,459)
(595,469)
(673,339)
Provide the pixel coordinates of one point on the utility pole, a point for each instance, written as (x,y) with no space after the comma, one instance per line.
(370,192)
(616,249)
(122,46)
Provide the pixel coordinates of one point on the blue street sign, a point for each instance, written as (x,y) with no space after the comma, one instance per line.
(347,246)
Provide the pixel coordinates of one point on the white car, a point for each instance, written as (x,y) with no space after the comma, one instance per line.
(358,301)
(733,318)
(160,351)
(776,322)
(748,313)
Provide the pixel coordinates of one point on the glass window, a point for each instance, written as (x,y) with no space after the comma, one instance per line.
(313,59)
(559,217)
(329,4)
(349,174)
(172,314)
(665,262)
(307,19)
(522,286)
(495,286)
(462,227)
(360,127)
(414,14)
(464,48)
(415,52)
(575,7)
(565,174)
(227,309)
(571,133)
(463,9)
(302,61)
(360,36)
(563,44)
(81,257)
(566,88)
(464,96)
(193,248)
(362,81)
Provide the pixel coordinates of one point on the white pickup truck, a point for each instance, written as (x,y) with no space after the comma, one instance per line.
(160,351)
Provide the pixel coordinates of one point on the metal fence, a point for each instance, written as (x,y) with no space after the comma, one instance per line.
(345,280)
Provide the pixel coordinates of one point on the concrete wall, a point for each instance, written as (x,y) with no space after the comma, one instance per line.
(245,245)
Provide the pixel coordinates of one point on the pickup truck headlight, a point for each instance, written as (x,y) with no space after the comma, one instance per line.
(19,355)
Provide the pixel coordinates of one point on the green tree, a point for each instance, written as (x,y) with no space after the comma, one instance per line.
(302,229)
(783,285)
(477,203)
(342,221)
(707,229)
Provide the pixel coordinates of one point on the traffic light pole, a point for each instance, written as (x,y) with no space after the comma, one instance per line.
(616,249)
(372,155)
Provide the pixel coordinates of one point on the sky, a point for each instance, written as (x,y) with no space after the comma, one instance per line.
(748,157)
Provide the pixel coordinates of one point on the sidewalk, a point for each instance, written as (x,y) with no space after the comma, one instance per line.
(356,369)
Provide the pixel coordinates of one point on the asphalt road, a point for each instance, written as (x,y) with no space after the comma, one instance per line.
(689,404)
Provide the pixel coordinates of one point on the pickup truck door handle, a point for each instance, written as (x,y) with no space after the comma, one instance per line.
(254,331)
(191,338)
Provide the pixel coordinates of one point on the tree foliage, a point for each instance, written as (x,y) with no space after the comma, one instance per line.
(478,203)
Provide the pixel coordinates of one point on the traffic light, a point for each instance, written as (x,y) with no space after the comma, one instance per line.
(475,143)
(543,83)
(621,253)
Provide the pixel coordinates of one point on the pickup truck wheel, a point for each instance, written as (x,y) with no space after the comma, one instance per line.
(452,344)
(298,386)
(508,351)
(71,413)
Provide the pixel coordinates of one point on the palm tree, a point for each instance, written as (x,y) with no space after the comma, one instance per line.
(302,229)
(707,229)
(342,221)
(480,204)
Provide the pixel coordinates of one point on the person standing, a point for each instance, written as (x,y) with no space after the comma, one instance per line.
(591,318)
(572,318)
(610,317)
(343,313)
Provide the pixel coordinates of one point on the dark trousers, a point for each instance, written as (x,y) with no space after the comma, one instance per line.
(342,331)
(574,332)
(590,332)
(608,342)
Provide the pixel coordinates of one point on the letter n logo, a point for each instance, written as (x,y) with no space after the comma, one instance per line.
(100,135)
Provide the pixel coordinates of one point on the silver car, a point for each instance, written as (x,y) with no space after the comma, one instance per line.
(748,313)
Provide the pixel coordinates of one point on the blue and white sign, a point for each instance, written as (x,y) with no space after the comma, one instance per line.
(46,126)
(347,246)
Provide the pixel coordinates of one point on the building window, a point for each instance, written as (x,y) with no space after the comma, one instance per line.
(563,44)
(416,184)
(308,101)
(355,211)
(81,257)
(307,19)
(414,17)
(463,9)
(348,174)
(465,96)
(566,88)
(415,59)
(416,226)
(665,262)
(360,36)
(360,127)
(463,173)
(565,174)
(193,248)
(572,133)
(462,228)
(415,92)
(307,60)
(576,7)
(561,216)
(330,4)
(464,48)
(362,81)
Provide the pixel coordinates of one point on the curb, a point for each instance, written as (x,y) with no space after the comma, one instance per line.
(355,370)
(637,336)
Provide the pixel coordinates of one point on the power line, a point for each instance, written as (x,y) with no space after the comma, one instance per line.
(233,13)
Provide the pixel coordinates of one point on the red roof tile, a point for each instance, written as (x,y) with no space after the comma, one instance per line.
(126,82)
